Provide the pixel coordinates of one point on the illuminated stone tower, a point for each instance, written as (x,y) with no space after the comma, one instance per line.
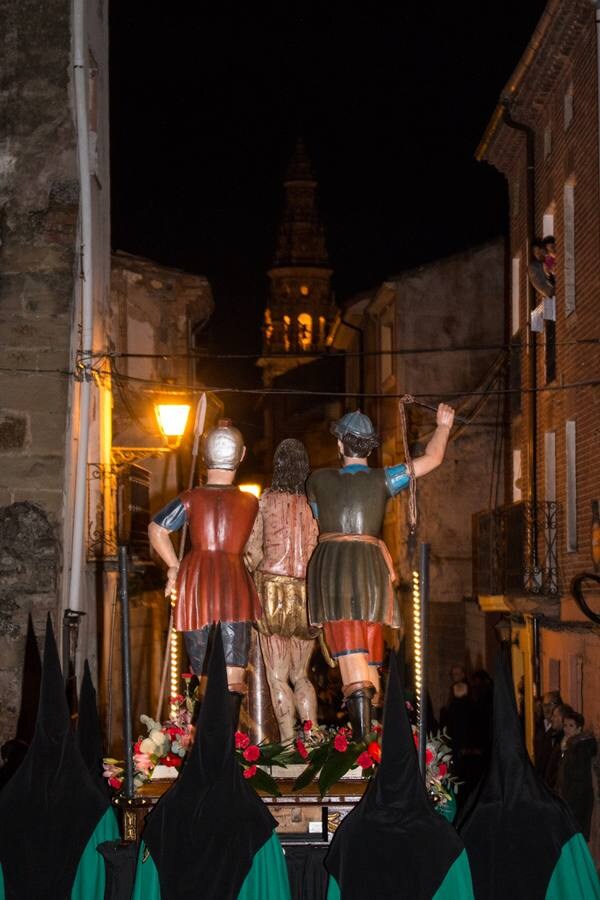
(301,312)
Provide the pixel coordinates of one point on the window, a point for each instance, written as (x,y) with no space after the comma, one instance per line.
(568,106)
(305,331)
(553,675)
(571,492)
(268,326)
(517,492)
(548,222)
(286,333)
(550,350)
(568,260)
(549,491)
(515,294)
(322,326)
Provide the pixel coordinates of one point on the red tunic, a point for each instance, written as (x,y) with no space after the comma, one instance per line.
(213,583)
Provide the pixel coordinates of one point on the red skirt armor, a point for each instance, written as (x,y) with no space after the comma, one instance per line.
(213,583)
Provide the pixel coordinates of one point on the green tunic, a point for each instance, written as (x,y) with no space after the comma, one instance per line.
(350,579)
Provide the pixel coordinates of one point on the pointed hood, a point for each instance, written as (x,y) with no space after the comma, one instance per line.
(513,827)
(394,831)
(50,807)
(208,827)
(30,697)
(89,732)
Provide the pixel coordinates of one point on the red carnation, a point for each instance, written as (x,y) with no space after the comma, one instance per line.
(136,746)
(377,729)
(187,676)
(442,769)
(115,783)
(375,751)
(429,756)
(340,742)
(250,772)
(251,753)
(364,760)
(307,725)
(300,747)
(241,740)
(171,759)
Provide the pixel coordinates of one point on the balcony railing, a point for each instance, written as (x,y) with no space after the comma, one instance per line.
(515,550)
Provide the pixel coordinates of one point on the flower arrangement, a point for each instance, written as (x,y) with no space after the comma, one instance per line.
(331,753)
(328,754)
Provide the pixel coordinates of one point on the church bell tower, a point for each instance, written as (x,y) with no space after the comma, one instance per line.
(301,311)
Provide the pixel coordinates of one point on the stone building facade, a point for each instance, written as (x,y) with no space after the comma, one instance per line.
(435,332)
(546,124)
(42,181)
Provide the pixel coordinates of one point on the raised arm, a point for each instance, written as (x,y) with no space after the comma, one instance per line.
(436,448)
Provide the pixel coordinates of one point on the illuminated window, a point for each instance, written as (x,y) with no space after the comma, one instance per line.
(322,324)
(286,332)
(304,290)
(305,331)
(268,326)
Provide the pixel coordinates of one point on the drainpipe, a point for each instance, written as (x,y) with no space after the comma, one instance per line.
(85,219)
(531,342)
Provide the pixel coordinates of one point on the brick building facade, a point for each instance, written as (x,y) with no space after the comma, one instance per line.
(431,331)
(544,138)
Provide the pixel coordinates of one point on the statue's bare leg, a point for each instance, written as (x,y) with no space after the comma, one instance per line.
(304,693)
(276,656)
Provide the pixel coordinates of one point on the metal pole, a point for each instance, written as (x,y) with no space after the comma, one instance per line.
(126,671)
(422,625)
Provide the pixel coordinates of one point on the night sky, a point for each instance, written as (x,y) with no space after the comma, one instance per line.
(391,98)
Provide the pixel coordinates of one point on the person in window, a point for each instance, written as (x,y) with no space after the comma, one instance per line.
(556,736)
(540,281)
(212,583)
(549,245)
(574,779)
(351,575)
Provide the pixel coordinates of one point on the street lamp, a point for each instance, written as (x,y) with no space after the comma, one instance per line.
(172,419)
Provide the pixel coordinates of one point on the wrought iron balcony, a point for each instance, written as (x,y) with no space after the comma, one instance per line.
(515,550)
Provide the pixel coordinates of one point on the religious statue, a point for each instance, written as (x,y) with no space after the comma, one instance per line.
(212,584)
(351,575)
(289,536)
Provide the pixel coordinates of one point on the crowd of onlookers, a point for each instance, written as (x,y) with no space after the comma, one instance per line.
(564,751)
(563,748)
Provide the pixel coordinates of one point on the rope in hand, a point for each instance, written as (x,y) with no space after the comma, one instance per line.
(412,495)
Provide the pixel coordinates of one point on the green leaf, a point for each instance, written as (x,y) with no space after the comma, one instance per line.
(262,781)
(270,751)
(305,778)
(337,765)
(318,756)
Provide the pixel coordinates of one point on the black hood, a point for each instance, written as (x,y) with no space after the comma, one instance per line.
(210,824)
(514,827)
(393,843)
(50,807)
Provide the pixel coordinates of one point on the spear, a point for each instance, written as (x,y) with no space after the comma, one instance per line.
(198,429)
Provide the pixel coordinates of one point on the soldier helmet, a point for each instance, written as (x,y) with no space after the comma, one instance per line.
(223,446)
(356,424)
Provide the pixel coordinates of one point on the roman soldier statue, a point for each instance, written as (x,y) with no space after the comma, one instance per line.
(212,583)
(289,536)
(350,575)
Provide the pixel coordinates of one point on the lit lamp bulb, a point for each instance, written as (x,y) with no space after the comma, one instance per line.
(174,662)
(172,419)
(417,639)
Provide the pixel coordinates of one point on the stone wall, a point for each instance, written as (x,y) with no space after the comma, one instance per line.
(38,213)
(29,567)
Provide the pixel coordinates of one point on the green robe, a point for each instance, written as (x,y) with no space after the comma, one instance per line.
(457,884)
(266,880)
(90,878)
